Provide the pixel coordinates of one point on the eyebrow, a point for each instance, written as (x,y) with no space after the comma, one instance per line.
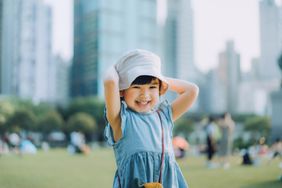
(155,83)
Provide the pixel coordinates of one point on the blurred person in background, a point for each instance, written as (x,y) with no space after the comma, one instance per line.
(227,127)
(246,157)
(275,150)
(180,146)
(14,142)
(77,143)
(2,146)
(259,151)
(211,141)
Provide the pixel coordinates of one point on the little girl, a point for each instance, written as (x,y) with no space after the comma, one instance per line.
(140,126)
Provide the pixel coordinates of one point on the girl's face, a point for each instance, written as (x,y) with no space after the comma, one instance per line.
(142,98)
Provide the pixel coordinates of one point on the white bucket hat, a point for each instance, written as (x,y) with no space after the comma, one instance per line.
(137,63)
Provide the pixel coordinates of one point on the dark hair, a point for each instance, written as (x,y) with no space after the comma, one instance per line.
(222,116)
(211,118)
(142,80)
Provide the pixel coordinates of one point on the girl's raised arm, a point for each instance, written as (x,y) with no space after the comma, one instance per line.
(112,100)
(188,93)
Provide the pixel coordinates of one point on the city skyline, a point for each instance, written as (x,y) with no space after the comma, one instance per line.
(101,36)
(215,23)
(219,21)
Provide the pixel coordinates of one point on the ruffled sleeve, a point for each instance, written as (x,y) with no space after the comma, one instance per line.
(108,132)
(166,110)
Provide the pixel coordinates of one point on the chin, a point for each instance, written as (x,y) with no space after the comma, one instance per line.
(142,110)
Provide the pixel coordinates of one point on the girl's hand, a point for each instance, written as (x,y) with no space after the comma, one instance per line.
(111,74)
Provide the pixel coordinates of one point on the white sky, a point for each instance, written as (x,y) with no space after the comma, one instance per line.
(216,21)
(62,27)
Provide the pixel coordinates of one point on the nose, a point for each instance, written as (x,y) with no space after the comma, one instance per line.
(144,94)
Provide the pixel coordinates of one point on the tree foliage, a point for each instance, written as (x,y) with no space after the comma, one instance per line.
(42,109)
(6,110)
(280,62)
(81,122)
(51,121)
(242,117)
(184,127)
(22,119)
(38,109)
(259,126)
(92,106)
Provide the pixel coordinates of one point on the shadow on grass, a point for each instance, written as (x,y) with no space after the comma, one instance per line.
(268,184)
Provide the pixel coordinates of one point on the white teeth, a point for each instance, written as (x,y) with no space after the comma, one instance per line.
(143,102)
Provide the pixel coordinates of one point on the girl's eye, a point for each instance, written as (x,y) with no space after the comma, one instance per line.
(136,87)
(153,87)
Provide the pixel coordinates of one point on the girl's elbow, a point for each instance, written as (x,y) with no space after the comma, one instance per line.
(193,90)
(196,90)
(193,93)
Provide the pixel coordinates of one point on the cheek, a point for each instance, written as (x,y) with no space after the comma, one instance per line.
(156,94)
(130,95)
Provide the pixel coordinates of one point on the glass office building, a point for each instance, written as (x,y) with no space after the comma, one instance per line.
(103,30)
(26,48)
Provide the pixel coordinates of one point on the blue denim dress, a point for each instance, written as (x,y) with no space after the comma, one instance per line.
(138,152)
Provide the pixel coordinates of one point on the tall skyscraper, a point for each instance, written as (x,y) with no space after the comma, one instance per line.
(214,95)
(270,39)
(103,30)
(26,49)
(229,73)
(84,73)
(60,77)
(179,40)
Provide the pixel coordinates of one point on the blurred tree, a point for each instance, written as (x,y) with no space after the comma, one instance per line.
(184,127)
(38,110)
(195,116)
(280,66)
(259,126)
(20,103)
(63,111)
(6,110)
(242,117)
(42,109)
(92,106)
(239,143)
(89,105)
(52,121)
(22,119)
(82,122)
(280,62)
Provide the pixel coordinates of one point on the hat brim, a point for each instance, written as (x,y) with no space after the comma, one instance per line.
(146,71)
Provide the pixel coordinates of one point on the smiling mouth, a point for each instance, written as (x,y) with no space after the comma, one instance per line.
(143,102)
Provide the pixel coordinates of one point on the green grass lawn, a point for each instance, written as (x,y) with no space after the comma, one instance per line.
(58,169)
